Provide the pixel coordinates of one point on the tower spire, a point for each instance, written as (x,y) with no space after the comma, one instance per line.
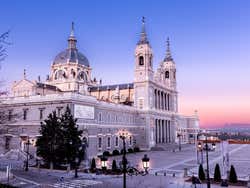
(72,40)
(72,29)
(168,56)
(143,37)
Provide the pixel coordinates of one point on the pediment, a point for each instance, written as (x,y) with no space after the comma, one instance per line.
(24,84)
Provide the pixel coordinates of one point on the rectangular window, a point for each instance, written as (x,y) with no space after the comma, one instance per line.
(25,114)
(116,141)
(7,143)
(41,110)
(109,142)
(99,142)
(10,115)
(100,117)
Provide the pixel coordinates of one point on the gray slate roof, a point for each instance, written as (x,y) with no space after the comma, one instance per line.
(111,87)
(72,55)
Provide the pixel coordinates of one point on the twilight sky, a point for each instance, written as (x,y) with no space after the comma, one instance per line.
(210,42)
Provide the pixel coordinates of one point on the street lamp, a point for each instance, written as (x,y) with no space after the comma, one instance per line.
(79,155)
(208,178)
(199,145)
(76,167)
(213,146)
(145,162)
(104,162)
(200,149)
(27,155)
(179,137)
(127,169)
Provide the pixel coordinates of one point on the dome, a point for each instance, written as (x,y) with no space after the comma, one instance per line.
(71,55)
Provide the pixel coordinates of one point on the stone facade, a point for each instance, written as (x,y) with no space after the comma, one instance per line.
(147,108)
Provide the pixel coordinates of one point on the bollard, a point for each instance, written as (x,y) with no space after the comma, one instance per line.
(185,172)
(248,183)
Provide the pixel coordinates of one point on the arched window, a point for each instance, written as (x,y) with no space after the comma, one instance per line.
(141,60)
(82,76)
(60,74)
(73,73)
(167,74)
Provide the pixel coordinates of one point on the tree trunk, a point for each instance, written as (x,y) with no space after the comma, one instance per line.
(51,166)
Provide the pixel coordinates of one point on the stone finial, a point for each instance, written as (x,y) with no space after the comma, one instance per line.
(72,29)
(168,56)
(24,73)
(72,40)
(143,37)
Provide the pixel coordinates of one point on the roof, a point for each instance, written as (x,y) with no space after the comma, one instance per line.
(71,55)
(111,87)
(47,86)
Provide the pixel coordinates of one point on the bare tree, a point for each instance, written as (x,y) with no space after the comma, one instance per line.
(3,53)
(3,44)
(5,115)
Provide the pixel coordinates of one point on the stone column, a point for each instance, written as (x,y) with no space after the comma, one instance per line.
(156,99)
(169,131)
(163,132)
(168,96)
(159,97)
(166,130)
(159,126)
(156,131)
(164,101)
(162,96)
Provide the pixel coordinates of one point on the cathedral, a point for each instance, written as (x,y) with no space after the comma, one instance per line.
(147,108)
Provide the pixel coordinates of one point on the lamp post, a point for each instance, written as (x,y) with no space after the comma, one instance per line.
(213,146)
(127,169)
(76,167)
(124,159)
(27,155)
(200,149)
(208,178)
(145,162)
(79,156)
(104,162)
(179,137)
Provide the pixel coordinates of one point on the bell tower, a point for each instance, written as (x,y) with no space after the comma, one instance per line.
(143,57)
(143,73)
(169,68)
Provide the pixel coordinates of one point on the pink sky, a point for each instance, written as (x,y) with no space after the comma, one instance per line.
(216,111)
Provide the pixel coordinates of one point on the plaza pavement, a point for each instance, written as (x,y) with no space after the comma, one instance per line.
(161,162)
(170,162)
